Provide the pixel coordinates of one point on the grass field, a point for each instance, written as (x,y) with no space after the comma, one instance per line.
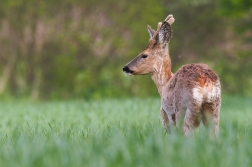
(118,133)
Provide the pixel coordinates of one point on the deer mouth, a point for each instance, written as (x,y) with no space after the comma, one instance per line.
(127,70)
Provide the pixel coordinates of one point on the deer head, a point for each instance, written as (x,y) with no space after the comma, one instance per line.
(152,57)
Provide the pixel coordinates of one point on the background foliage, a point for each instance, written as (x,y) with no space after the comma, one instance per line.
(76,49)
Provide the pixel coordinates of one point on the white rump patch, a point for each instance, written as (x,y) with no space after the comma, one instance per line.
(211,95)
(208,93)
(197,95)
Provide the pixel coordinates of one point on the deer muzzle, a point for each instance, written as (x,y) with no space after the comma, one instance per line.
(127,70)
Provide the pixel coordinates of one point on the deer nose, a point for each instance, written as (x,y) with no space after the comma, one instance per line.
(127,70)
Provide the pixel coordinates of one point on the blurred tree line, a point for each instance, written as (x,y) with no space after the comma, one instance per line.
(77,48)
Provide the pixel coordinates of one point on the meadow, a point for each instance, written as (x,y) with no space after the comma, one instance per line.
(118,132)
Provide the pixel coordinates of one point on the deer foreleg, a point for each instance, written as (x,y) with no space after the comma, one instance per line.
(165,120)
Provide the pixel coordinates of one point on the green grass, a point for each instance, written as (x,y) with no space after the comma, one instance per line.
(118,133)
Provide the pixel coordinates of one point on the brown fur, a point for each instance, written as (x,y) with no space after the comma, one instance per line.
(179,92)
(193,91)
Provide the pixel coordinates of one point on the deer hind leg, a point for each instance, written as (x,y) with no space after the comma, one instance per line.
(216,118)
(211,115)
(191,121)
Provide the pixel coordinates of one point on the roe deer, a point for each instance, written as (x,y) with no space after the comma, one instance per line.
(193,91)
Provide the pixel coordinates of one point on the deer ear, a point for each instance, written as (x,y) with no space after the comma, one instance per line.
(151,31)
(165,33)
(170,19)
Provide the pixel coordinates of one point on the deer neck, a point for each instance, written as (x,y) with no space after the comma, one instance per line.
(162,73)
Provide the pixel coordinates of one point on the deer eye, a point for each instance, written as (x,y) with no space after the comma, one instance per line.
(144,56)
